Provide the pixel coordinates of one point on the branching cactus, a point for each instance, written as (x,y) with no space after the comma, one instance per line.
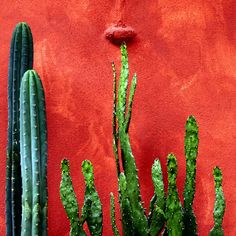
(21,59)
(92,208)
(219,208)
(174,212)
(191,151)
(121,120)
(33,146)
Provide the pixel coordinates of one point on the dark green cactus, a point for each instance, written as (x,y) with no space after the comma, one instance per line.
(21,59)
(92,208)
(174,212)
(33,146)
(156,217)
(120,133)
(191,151)
(113,216)
(219,208)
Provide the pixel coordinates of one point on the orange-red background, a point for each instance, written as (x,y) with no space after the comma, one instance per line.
(185,58)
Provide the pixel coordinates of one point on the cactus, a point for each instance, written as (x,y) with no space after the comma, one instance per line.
(191,151)
(121,122)
(219,208)
(156,217)
(112,216)
(21,59)
(33,146)
(92,208)
(174,212)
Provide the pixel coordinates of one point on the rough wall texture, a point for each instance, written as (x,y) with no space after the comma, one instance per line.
(185,58)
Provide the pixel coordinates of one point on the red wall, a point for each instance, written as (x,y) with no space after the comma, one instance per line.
(185,58)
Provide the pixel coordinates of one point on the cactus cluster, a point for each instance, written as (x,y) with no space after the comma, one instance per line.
(26,181)
(92,207)
(166,213)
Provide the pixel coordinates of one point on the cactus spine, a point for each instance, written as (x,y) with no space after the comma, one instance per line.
(191,151)
(219,208)
(92,208)
(21,59)
(33,146)
(120,133)
(174,212)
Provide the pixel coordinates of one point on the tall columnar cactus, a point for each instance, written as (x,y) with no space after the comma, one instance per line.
(121,120)
(92,208)
(219,208)
(191,151)
(174,212)
(21,59)
(33,146)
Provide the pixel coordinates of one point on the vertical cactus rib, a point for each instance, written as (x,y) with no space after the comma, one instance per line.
(156,217)
(113,216)
(219,207)
(69,200)
(21,59)
(128,161)
(33,141)
(92,204)
(114,123)
(174,212)
(191,151)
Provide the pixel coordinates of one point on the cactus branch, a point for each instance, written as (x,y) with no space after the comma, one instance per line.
(113,216)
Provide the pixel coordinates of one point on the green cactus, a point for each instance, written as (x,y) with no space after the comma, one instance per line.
(112,216)
(191,151)
(121,122)
(21,59)
(92,208)
(156,217)
(69,200)
(174,212)
(33,146)
(219,208)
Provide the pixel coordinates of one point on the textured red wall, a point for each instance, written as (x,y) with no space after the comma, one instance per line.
(185,58)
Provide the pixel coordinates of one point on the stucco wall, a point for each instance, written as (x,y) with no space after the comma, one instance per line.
(185,59)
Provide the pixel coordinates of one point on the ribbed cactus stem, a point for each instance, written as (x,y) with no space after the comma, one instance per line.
(191,151)
(174,212)
(33,145)
(69,200)
(156,218)
(113,216)
(219,207)
(92,208)
(21,59)
(127,158)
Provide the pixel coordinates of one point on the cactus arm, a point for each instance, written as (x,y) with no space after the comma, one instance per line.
(157,217)
(114,125)
(92,203)
(174,213)
(21,59)
(191,151)
(125,207)
(69,200)
(130,103)
(113,217)
(219,208)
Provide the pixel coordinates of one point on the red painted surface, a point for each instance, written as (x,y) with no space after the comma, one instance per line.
(185,58)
